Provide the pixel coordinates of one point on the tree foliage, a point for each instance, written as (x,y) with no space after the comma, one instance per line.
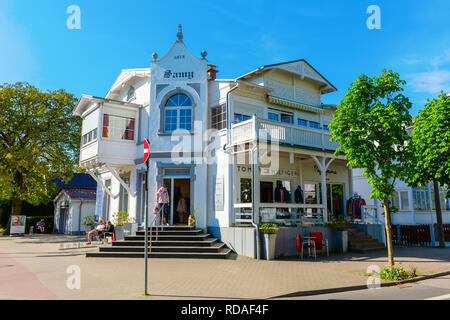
(39,141)
(370,125)
(431,143)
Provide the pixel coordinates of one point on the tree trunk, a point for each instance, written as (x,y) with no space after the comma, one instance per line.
(16,209)
(440,227)
(387,219)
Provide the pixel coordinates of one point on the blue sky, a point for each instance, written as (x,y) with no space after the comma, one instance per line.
(414,40)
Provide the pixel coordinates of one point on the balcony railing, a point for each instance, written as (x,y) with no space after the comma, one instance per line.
(283,214)
(105,150)
(283,133)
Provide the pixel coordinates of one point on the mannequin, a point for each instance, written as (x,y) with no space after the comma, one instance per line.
(162,197)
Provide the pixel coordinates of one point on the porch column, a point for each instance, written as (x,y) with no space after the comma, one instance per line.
(323,166)
(350,181)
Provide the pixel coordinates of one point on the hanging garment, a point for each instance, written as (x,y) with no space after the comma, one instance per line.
(279,196)
(286,196)
(298,195)
(162,196)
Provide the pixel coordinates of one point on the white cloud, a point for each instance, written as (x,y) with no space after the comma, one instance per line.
(432,82)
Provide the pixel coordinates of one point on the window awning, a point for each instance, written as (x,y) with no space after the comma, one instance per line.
(293,104)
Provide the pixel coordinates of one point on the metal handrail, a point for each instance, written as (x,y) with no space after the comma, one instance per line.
(151,229)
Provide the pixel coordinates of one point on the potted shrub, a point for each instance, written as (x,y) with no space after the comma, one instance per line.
(340,224)
(119,219)
(89,222)
(269,230)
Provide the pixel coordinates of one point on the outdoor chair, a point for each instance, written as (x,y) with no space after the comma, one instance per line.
(320,243)
(306,244)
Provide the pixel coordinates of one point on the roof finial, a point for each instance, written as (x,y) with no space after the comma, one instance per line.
(180,33)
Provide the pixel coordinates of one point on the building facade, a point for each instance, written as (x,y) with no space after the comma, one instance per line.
(240,152)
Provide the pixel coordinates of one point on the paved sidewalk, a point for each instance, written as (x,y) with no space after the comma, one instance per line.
(35,268)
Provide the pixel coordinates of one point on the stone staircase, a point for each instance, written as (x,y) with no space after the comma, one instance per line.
(359,241)
(173,242)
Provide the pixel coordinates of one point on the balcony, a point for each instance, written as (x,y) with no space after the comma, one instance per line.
(281,133)
(120,152)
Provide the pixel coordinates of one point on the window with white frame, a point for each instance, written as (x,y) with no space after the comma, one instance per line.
(421,199)
(314,125)
(117,127)
(404,200)
(178,113)
(218,117)
(280,116)
(238,117)
(89,137)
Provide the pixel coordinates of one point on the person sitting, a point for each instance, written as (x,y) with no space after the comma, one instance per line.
(95,232)
(109,232)
(40,226)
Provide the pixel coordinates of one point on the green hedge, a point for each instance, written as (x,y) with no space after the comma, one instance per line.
(31,221)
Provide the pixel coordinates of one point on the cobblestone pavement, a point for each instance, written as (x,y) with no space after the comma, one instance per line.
(36,268)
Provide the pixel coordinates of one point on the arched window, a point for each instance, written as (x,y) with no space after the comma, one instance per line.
(131,95)
(178,113)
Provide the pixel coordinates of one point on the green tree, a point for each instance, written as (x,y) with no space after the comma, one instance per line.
(370,126)
(430,142)
(39,141)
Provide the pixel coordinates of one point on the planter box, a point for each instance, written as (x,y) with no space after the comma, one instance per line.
(119,233)
(129,229)
(269,241)
(341,237)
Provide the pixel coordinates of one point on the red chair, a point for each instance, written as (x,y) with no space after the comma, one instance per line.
(320,242)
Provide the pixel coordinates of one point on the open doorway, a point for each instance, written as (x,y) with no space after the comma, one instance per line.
(180,203)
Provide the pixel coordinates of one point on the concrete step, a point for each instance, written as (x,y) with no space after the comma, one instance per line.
(161,243)
(172,232)
(193,237)
(223,254)
(215,248)
(168,228)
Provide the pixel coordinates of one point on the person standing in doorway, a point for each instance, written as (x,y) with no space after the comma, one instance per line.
(181,209)
(162,197)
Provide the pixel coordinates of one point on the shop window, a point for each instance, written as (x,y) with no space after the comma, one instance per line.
(241,117)
(311,191)
(124,194)
(219,117)
(246,190)
(266,191)
(116,127)
(178,113)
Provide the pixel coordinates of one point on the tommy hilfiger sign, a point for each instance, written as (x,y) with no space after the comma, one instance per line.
(170,74)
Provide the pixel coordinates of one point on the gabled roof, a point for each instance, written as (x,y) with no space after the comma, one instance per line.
(85,100)
(328,87)
(127,76)
(78,193)
(79,180)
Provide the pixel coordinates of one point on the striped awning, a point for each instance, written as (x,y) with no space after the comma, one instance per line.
(293,104)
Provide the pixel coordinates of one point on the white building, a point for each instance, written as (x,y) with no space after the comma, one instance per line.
(203,132)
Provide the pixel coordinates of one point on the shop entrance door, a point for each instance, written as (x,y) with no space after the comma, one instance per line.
(335,199)
(179,200)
